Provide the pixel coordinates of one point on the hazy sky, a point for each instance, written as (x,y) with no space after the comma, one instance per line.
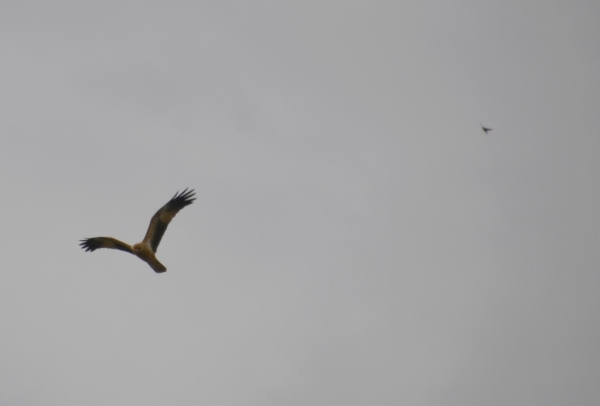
(357,239)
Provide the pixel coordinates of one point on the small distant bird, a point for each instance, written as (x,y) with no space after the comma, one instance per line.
(485,129)
(158,225)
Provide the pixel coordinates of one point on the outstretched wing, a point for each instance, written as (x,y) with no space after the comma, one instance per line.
(92,244)
(163,217)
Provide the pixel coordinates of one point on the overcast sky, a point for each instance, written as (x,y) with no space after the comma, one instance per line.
(357,238)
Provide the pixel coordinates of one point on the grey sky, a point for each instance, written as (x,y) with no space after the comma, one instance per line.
(357,239)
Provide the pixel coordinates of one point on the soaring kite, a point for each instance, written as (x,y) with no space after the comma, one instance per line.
(145,250)
(485,129)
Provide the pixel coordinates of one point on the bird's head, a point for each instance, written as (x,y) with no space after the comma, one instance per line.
(137,247)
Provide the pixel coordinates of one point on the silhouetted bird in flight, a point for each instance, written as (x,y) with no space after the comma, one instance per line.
(485,129)
(146,249)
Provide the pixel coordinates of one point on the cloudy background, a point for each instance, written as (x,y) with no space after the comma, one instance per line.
(357,239)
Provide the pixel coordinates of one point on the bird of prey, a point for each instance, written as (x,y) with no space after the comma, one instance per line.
(485,129)
(146,249)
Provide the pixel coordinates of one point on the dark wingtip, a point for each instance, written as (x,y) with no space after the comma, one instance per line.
(84,245)
(87,245)
(186,197)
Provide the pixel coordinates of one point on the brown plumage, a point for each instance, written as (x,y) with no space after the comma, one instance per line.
(146,249)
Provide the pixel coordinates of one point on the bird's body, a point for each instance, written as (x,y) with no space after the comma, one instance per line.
(144,252)
(146,249)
